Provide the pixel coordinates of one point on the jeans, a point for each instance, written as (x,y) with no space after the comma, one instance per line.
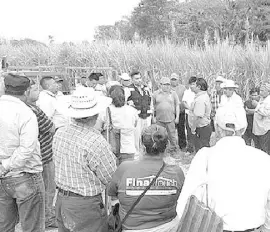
(80,214)
(170,127)
(190,137)
(262,142)
(202,137)
(50,188)
(182,141)
(22,198)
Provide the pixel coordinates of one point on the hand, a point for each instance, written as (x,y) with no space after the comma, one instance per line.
(193,132)
(176,120)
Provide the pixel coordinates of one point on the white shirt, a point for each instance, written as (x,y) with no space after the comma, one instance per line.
(48,102)
(19,146)
(261,122)
(124,118)
(188,97)
(235,99)
(238,182)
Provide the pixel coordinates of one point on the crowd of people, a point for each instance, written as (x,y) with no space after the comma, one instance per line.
(52,147)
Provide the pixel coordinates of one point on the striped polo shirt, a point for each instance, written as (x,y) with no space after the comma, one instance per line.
(45,136)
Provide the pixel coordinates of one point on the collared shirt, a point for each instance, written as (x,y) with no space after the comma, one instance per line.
(261,121)
(215,102)
(165,104)
(238,183)
(45,136)
(19,146)
(235,99)
(188,97)
(84,162)
(48,103)
(180,89)
(201,109)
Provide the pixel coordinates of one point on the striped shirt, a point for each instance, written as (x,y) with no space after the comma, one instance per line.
(215,102)
(84,162)
(45,136)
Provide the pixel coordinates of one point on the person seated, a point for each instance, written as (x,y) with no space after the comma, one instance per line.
(156,211)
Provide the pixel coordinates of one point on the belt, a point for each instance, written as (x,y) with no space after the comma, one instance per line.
(248,230)
(69,193)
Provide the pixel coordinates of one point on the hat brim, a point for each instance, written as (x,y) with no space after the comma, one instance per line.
(229,86)
(102,104)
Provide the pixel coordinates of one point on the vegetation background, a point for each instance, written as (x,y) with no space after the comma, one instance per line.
(196,37)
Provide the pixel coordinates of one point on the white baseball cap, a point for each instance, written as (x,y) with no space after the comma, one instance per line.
(231,118)
(125,77)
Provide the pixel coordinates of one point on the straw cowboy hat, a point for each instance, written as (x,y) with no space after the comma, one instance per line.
(229,84)
(86,102)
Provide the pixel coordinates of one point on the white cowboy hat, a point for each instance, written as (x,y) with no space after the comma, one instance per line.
(125,77)
(229,84)
(86,102)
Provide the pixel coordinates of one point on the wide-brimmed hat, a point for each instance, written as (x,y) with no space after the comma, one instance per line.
(125,77)
(86,102)
(229,84)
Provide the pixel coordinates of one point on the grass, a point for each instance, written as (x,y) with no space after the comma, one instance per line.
(247,65)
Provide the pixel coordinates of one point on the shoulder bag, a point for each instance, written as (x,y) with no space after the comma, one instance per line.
(117,227)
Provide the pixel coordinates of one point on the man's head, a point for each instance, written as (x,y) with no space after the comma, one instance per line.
(218,82)
(254,94)
(192,83)
(93,79)
(230,121)
(33,93)
(265,90)
(16,84)
(136,78)
(165,84)
(229,87)
(83,80)
(125,79)
(102,80)
(201,85)
(48,83)
(174,79)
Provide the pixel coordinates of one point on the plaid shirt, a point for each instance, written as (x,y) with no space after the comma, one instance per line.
(84,162)
(215,101)
(45,136)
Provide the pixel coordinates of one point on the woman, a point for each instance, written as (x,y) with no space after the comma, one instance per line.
(123,117)
(156,211)
(261,121)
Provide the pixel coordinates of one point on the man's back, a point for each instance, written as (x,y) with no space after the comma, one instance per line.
(237,179)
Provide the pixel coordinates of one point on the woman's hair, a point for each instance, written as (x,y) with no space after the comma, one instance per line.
(202,83)
(117,94)
(192,79)
(155,139)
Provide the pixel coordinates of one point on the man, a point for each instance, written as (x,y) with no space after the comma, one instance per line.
(140,98)
(216,98)
(59,81)
(230,96)
(101,85)
(49,103)
(250,106)
(187,100)
(83,81)
(237,177)
(125,81)
(22,194)
(84,164)
(166,109)
(261,122)
(180,89)
(45,137)
(199,118)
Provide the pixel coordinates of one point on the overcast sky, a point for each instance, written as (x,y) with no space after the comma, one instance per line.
(66,20)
